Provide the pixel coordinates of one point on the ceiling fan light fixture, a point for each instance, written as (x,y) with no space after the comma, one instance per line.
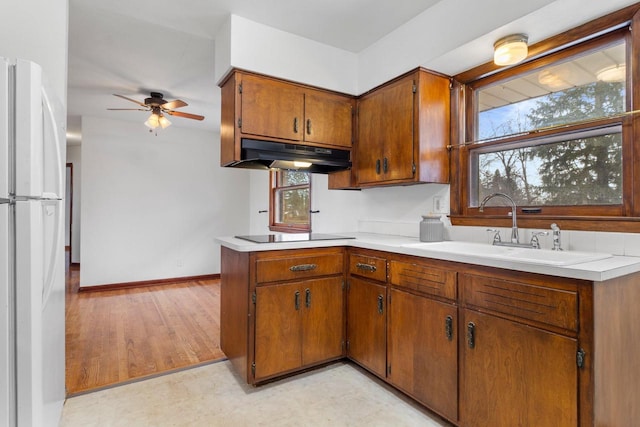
(153,121)
(510,50)
(163,121)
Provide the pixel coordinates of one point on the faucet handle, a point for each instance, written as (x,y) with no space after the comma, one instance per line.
(557,245)
(496,235)
(535,242)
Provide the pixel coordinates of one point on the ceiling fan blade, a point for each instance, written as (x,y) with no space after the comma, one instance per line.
(185,115)
(178,103)
(130,99)
(128,109)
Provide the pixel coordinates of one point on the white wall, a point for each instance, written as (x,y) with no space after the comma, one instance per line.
(256,47)
(153,205)
(37,30)
(388,210)
(74,156)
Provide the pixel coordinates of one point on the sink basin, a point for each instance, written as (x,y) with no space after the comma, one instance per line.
(526,255)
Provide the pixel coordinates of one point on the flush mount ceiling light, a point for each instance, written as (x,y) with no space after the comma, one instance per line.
(510,50)
(614,73)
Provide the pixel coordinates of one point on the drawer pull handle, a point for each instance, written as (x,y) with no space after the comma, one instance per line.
(366,267)
(378,167)
(471,334)
(307,298)
(308,126)
(295,125)
(448,327)
(303,267)
(297,300)
(380,304)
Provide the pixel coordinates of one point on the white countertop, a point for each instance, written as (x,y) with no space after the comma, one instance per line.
(597,271)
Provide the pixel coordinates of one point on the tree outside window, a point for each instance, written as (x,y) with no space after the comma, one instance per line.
(290,201)
(577,166)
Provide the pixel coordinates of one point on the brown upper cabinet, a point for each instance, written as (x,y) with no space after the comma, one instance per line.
(403,131)
(260,107)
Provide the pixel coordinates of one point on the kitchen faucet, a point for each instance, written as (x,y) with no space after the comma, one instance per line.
(514,226)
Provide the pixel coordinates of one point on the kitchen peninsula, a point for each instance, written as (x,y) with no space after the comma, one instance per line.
(448,329)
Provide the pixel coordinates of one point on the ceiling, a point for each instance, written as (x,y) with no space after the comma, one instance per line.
(132,47)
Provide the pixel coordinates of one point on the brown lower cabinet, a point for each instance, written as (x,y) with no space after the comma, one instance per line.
(297,324)
(480,346)
(422,350)
(281,311)
(516,375)
(367,324)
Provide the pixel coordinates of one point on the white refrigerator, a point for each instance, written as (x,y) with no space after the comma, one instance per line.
(32,286)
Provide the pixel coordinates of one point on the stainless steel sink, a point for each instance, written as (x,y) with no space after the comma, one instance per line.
(526,255)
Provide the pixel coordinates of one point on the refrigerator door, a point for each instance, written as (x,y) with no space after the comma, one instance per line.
(39,136)
(40,291)
(4,129)
(7,385)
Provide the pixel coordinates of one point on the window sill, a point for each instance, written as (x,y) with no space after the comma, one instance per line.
(289,229)
(581,223)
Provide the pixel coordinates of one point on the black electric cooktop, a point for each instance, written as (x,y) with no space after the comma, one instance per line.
(297,237)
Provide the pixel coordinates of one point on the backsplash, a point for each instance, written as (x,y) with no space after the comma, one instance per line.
(587,241)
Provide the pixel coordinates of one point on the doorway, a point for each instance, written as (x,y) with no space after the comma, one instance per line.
(68,220)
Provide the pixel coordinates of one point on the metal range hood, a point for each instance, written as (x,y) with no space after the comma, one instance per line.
(256,154)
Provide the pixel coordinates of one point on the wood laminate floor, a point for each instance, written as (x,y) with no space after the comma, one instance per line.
(116,336)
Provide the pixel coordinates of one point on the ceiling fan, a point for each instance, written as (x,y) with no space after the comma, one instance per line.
(159,107)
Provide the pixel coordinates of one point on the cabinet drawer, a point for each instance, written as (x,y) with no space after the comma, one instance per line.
(423,278)
(274,269)
(368,266)
(550,306)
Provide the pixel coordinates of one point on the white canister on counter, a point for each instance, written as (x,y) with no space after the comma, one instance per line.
(431,229)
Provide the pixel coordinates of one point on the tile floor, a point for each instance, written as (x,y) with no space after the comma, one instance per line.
(340,394)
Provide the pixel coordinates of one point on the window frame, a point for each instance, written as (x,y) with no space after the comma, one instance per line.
(274,187)
(591,36)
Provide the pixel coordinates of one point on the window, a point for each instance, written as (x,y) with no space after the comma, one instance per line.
(554,133)
(576,167)
(290,201)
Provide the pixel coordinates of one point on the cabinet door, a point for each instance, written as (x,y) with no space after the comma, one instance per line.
(323,320)
(328,119)
(398,115)
(272,109)
(370,142)
(515,375)
(423,351)
(366,324)
(278,329)
(386,133)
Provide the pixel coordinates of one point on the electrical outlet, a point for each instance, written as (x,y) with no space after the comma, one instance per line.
(437,204)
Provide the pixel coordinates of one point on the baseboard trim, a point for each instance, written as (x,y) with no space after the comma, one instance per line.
(145,283)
